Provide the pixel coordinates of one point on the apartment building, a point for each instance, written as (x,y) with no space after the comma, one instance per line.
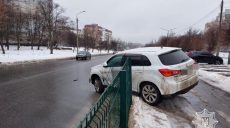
(98,33)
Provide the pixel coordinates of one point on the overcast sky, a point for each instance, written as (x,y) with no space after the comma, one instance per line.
(140,21)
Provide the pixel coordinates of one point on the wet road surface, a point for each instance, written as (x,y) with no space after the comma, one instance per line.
(53,94)
(214,100)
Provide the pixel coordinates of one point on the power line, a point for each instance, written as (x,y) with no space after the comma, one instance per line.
(197,22)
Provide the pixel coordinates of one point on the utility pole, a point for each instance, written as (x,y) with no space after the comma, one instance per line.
(77,36)
(220,27)
(168,32)
(77,30)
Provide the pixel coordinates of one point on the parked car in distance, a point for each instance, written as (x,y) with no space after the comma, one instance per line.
(205,57)
(83,55)
(156,72)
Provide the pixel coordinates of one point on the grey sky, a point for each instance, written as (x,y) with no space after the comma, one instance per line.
(140,20)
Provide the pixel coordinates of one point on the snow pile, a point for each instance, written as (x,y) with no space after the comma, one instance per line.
(144,116)
(216,80)
(224,55)
(26,54)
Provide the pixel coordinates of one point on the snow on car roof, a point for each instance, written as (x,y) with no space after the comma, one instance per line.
(156,50)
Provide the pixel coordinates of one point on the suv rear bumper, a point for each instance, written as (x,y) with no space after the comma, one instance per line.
(182,91)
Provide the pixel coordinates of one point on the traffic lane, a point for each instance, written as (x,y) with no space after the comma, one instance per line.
(196,100)
(52,98)
(19,71)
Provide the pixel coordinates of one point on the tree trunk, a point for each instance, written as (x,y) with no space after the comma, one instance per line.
(51,48)
(32,44)
(3,51)
(7,43)
(39,43)
(229,57)
(18,43)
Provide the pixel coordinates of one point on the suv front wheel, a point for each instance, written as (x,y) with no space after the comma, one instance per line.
(98,85)
(150,93)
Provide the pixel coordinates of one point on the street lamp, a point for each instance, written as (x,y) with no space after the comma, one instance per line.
(77,28)
(168,32)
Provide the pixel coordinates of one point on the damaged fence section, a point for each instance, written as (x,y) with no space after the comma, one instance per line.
(112,108)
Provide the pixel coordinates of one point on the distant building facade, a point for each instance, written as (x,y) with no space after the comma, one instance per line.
(98,33)
(27,6)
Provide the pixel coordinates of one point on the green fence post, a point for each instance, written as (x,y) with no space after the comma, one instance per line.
(123,100)
(130,81)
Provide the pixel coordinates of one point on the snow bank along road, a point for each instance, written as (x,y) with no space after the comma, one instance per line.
(25,54)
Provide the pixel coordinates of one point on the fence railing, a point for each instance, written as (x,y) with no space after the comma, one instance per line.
(112,108)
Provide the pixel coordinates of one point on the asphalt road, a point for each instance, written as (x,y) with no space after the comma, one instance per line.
(213,99)
(54,94)
(57,94)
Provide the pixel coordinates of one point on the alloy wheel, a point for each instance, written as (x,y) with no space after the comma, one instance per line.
(149,94)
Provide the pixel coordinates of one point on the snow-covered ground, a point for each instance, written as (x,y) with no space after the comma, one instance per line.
(167,115)
(215,79)
(144,116)
(25,54)
(217,75)
(224,55)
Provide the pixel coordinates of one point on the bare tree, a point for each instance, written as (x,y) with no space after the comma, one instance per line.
(19,25)
(9,22)
(47,13)
(52,13)
(88,40)
(211,36)
(39,26)
(2,23)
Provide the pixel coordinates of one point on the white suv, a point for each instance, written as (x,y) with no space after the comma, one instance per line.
(156,72)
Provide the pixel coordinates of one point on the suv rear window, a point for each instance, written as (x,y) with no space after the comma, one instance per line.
(173,57)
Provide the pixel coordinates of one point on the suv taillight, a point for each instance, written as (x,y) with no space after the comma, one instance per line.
(168,72)
(189,54)
(195,62)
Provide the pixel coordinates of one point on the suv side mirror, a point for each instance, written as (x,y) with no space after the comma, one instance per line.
(105,65)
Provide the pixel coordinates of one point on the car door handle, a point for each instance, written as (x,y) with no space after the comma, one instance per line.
(138,71)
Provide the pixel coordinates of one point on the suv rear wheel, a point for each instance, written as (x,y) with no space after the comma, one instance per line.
(150,94)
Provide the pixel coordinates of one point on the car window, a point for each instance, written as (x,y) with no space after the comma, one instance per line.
(115,61)
(207,54)
(81,52)
(173,57)
(145,61)
(135,60)
(139,60)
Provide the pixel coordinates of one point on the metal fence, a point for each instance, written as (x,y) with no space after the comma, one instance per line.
(112,108)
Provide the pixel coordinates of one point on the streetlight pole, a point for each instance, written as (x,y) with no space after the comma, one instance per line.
(77,29)
(77,35)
